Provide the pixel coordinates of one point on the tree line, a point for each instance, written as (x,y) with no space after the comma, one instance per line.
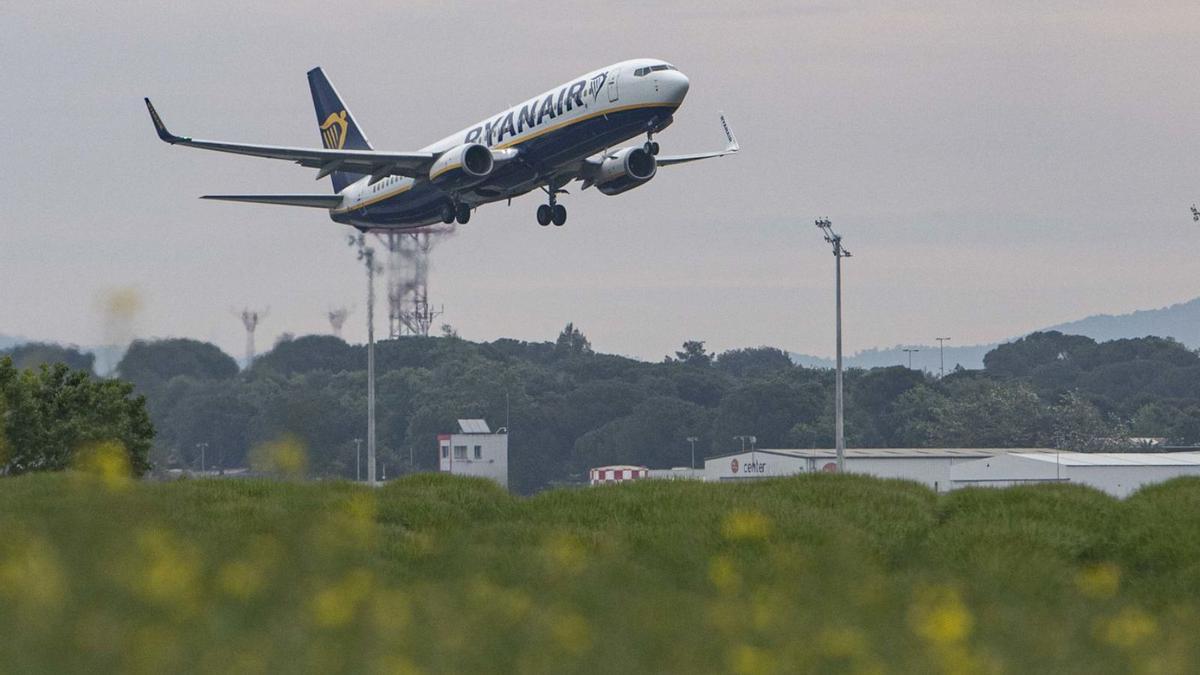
(568,407)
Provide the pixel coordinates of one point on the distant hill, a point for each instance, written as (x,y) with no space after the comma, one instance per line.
(1181,321)
(7,341)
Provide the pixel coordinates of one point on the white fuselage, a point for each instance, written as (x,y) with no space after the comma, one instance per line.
(533,142)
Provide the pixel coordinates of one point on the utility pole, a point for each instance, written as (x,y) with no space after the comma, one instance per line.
(942,355)
(358,459)
(692,440)
(202,447)
(910,352)
(835,240)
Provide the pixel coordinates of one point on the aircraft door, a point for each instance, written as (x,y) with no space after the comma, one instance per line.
(612,86)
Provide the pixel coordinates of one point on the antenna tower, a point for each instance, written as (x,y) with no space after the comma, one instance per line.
(250,320)
(409,311)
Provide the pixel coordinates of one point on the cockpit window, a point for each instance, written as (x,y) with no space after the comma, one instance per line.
(642,72)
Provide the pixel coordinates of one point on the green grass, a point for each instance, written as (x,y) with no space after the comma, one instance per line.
(819,573)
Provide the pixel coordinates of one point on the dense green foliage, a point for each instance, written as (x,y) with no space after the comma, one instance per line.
(34,354)
(53,416)
(568,408)
(819,573)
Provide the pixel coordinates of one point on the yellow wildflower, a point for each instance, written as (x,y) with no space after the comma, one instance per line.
(745,526)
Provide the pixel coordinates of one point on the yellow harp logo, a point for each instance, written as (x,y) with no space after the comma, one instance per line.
(333,131)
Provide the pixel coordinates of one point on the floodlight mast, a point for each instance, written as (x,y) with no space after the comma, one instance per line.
(366,255)
(942,355)
(839,252)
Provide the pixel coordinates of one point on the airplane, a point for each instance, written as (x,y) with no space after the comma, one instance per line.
(566,134)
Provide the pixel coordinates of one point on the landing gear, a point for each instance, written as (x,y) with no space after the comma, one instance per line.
(448,213)
(553,212)
(651,145)
(463,214)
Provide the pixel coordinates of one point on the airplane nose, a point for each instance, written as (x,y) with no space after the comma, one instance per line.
(673,85)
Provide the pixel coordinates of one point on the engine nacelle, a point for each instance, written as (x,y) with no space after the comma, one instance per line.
(624,170)
(464,165)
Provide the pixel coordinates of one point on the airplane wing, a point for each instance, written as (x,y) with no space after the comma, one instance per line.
(375,164)
(731,147)
(322,201)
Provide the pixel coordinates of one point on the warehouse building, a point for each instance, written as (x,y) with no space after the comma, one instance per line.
(1118,474)
(475,451)
(928,466)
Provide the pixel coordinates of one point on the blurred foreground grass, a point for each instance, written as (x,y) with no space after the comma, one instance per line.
(819,573)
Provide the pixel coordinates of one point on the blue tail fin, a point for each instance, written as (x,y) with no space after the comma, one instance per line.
(338,129)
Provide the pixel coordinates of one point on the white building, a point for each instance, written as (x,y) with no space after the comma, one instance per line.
(929,466)
(677,473)
(475,451)
(1118,474)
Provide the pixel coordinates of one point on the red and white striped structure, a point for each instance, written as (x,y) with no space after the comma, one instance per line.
(617,473)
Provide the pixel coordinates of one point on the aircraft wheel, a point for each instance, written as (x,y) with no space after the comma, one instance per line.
(654,151)
(463,215)
(544,215)
(560,215)
(448,213)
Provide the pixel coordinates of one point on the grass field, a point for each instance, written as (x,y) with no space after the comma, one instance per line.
(820,573)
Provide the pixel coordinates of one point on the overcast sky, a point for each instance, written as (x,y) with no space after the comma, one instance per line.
(994,167)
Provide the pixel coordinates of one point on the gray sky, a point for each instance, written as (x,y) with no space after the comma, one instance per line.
(994,166)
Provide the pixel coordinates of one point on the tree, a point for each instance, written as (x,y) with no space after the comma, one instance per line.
(55,413)
(311,352)
(754,362)
(1021,357)
(1077,425)
(990,414)
(571,342)
(149,364)
(693,354)
(34,354)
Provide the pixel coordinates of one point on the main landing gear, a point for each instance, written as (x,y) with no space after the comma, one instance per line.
(651,145)
(456,212)
(552,212)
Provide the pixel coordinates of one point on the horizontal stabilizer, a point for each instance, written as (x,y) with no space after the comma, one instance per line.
(322,201)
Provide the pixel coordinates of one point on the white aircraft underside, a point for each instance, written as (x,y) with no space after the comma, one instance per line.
(548,141)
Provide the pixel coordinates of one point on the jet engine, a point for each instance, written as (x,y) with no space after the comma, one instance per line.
(624,170)
(464,165)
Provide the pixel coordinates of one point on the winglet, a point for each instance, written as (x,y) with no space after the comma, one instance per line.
(733,144)
(160,127)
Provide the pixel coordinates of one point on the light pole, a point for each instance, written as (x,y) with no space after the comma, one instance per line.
(910,352)
(942,356)
(366,254)
(692,440)
(202,447)
(358,459)
(835,240)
